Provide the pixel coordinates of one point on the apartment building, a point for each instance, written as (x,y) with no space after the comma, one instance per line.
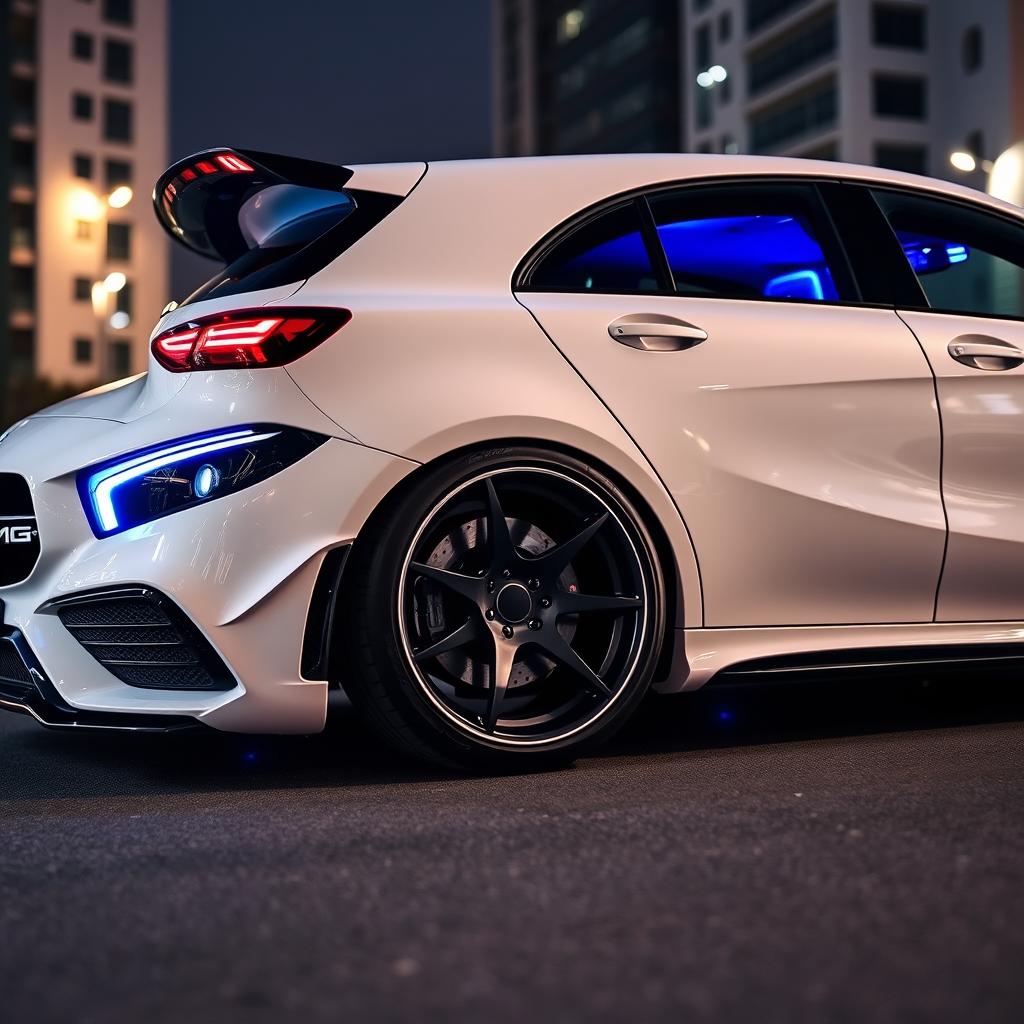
(588,76)
(896,83)
(87,124)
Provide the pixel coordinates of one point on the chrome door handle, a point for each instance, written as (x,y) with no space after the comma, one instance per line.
(984,353)
(655,332)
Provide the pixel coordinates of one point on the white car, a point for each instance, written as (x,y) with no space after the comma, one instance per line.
(499,445)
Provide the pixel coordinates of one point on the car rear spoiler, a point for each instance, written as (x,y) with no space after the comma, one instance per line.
(197,199)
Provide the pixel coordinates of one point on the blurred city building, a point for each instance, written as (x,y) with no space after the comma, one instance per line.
(899,83)
(587,77)
(87,126)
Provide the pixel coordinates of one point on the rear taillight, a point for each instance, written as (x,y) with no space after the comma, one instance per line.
(268,336)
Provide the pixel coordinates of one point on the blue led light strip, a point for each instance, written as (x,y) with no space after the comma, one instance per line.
(102,485)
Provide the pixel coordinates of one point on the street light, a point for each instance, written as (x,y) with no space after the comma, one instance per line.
(967,162)
(120,197)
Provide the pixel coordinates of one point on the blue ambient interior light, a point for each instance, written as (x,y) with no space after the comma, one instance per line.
(156,482)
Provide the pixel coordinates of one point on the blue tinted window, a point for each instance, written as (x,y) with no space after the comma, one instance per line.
(745,243)
(606,254)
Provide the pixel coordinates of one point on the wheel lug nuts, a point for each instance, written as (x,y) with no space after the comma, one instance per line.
(506,631)
(545,602)
(534,584)
(535,624)
(489,613)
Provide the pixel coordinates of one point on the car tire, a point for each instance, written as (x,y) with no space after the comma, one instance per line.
(504,611)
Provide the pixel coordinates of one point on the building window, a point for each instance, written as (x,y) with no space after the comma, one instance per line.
(761,12)
(729,144)
(81,46)
(702,47)
(118,12)
(83,289)
(117,61)
(899,156)
(725,26)
(813,43)
(812,111)
(901,96)
(972,49)
(82,350)
(83,230)
(975,144)
(899,26)
(120,358)
(81,106)
(119,241)
(82,164)
(702,97)
(122,307)
(701,5)
(117,172)
(117,120)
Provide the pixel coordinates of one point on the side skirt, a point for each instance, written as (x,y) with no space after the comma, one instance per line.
(767,653)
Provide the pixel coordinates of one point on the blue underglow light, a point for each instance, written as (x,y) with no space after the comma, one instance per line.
(956,253)
(103,484)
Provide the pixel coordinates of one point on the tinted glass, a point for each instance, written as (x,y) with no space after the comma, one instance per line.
(606,254)
(967,261)
(746,242)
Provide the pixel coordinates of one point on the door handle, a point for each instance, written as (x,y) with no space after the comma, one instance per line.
(984,353)
(655,332)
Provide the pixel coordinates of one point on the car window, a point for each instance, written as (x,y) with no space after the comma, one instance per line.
(748,241)
(605,254)
(966,260)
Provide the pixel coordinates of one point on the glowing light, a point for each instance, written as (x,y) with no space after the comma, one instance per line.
(801,284)
(963,161)
(718,73)
(205,483)
(85,205)
(704,80)
(120,320)
(1006,178)
(102,485)
(99,298)
(120,197)
(114,281)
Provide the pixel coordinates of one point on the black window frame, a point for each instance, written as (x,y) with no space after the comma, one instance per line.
(80,345)
(83,162)
(884,81)
(112,45)
(83,106)
(923,304)
(110,104)
(898,8)
(846,279)
(122,231)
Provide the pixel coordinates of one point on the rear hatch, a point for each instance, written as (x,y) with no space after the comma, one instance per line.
(270,222)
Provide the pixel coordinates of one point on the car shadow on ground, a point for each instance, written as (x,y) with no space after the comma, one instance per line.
(37,764)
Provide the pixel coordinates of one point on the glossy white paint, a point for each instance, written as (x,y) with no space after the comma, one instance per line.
(800,446)
(794,454)
(983,469)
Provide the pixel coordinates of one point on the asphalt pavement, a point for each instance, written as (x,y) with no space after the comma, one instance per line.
(824,853)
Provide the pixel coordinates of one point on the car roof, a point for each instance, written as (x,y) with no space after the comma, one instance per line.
(469,223)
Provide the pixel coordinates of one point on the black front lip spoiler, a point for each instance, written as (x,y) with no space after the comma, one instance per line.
(43,703)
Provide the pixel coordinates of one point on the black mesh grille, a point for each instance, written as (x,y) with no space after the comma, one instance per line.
(12,668)
(144,639)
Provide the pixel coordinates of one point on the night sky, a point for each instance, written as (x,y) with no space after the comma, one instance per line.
(335,80)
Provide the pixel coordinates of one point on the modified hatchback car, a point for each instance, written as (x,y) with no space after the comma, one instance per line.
(497,446)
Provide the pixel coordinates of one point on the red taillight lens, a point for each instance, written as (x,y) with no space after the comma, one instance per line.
(246,338)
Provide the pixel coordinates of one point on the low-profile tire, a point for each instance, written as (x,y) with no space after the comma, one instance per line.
(505,611)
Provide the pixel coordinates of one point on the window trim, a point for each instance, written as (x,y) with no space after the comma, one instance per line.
(937,196)
(659,258)
(540,248)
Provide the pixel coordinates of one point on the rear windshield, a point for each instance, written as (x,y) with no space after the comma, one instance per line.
(293,232)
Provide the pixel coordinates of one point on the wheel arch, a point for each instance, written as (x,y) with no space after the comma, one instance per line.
(672,546)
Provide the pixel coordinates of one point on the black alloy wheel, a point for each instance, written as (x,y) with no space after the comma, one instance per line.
(526,610)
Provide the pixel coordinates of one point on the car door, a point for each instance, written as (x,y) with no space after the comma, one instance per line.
(970,321)
(795,428)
